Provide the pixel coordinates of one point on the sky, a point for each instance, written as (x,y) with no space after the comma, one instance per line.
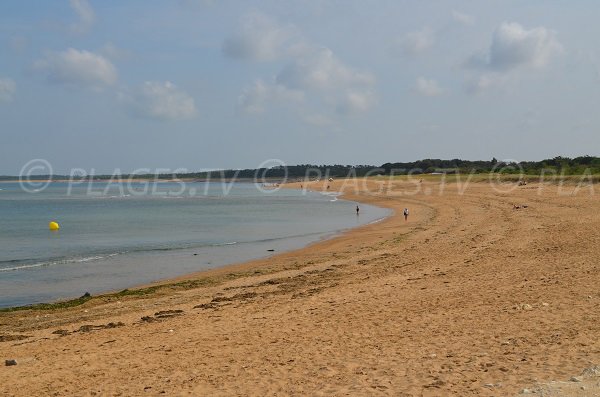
(204,84)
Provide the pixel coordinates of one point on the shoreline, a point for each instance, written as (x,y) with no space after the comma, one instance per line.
(471,296)
(257,263)
(233,267)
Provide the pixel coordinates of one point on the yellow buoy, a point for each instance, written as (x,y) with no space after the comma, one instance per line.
(53,226)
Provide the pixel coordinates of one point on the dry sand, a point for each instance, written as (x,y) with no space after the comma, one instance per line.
(469,297)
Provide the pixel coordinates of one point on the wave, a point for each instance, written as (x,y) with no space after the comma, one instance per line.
(331,194)
(26,264)
(62,261)
(378,220)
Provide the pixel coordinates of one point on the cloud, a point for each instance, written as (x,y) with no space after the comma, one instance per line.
(462,18)
(78,68)
(417,42)
(259,39)
(321,70)
(7,90)
(159,100)
(312,76)
(514,46)
(427,87)
(478,84)
(319,73)
(356,102)
(86,16)
(255,99)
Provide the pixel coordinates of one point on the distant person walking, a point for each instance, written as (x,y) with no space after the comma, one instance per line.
(357,210)
(405,214)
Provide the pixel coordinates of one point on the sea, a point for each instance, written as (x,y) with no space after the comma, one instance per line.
(117,235)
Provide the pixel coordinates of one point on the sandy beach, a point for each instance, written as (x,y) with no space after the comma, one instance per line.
(486,290)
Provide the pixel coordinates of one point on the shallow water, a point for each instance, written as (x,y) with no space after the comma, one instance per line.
(115,236)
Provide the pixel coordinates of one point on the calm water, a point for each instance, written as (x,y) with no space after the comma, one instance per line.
(115,236)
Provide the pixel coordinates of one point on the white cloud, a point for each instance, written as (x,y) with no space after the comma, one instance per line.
(462,18)
(356,102)
(513,46)
(478,84)
(160,100)
(86,16)
(260,39)
(321,70)
(255,99)
(74,67)
(322,75)
(7,90)
(312,75)
(428,87)
(417,42)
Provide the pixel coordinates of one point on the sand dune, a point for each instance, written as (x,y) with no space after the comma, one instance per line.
(469,297)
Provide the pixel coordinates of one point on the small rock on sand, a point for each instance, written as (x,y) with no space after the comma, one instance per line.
(591,372)
(10,363)
(523,306)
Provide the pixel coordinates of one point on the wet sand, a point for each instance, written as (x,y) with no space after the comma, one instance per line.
(469,297)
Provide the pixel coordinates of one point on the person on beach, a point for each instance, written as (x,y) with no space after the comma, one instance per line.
(405,214)
(357,210)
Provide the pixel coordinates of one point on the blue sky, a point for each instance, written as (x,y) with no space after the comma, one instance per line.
(225,84)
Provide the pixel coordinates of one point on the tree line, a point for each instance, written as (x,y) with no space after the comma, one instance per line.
(558,165)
